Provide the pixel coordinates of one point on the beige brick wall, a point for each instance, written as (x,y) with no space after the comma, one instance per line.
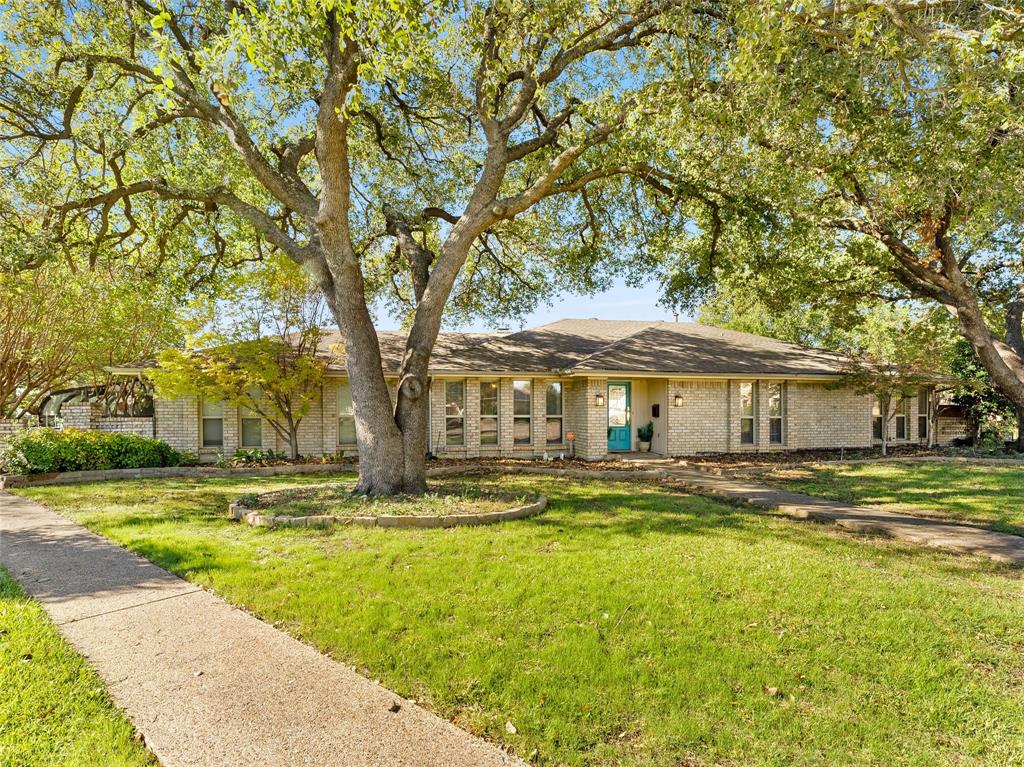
(817,416)
(950,428)
(820,416)
(89,416)
(144,427)
(701,423)
(177,422)
(8,427)
(81,415)
(592,433)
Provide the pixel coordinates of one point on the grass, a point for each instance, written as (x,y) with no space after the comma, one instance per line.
(628,625)
(54,710)
(442,498)
(992,496)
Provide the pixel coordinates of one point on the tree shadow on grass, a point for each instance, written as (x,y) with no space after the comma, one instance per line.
(639,512)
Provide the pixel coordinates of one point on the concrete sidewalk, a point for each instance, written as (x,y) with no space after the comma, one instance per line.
(204,682)
(922,531)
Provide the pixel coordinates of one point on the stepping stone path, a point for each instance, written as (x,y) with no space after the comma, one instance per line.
(205,683)
(922,531)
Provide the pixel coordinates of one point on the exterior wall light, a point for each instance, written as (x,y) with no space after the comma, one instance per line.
(599,399)
(678,400)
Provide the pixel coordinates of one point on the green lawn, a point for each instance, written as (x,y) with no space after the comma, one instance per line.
(992,496)
(628,625)
(54,710)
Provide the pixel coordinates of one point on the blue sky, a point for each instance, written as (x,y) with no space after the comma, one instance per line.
(621,302)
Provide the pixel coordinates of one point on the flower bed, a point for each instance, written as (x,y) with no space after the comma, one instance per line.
(447,504)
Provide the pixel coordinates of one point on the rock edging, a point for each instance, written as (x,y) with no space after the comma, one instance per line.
(260,518)
(238,511)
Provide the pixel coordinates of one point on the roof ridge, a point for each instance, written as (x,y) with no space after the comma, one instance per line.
(619,340)
(797,344)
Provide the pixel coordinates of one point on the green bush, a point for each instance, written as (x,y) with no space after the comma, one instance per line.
(36,451)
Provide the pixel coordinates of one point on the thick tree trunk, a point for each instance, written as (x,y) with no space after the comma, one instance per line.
(1019,443)
(391,438)
(1004,360)
(413,420)
(293,443)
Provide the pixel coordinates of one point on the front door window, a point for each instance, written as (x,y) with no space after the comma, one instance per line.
(618,416)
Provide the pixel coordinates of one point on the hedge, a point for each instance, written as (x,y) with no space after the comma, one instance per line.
(36,451)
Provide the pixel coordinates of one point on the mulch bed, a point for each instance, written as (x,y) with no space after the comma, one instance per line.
(813,456)
(562,463)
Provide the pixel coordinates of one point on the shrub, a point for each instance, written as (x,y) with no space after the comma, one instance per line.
(35,451)
(257,457)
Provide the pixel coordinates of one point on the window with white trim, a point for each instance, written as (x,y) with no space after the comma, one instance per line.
(250,430)
(522,412)
(553,413)
(213,424)
(346,419)
(777,412)
(748,391)
(488,412)
(876,419)
(455,412)
(902,421)
(923,410)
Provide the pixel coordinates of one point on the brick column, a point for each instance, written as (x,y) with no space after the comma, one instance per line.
(231,426)
(472,414)
(592,432)
(762,441)
(505,436)
(539,412)
(437,430)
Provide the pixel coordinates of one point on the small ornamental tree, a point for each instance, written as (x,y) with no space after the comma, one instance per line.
(276,378)
(892,353)
(889,382)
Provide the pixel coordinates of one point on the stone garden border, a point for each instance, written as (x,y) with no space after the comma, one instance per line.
(260,518)
(75,477)
(237,510)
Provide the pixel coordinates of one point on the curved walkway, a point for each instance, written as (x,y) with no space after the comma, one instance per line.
(922,531)
(207,684)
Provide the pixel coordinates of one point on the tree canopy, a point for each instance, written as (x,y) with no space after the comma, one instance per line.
(879,149)
(60,328)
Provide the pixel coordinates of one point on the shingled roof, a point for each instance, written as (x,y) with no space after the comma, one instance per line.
(591,346)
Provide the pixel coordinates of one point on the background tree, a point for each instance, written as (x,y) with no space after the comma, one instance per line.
(881,144)
(59,328)
(974,391)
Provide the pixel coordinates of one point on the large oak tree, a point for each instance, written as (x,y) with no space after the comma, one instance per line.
(402,152)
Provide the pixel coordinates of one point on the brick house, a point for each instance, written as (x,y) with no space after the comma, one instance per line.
(584,387)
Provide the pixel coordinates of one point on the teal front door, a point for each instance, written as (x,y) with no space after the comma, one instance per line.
(618,416)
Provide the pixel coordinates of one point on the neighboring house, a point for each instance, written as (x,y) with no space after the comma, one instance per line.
(583,387)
